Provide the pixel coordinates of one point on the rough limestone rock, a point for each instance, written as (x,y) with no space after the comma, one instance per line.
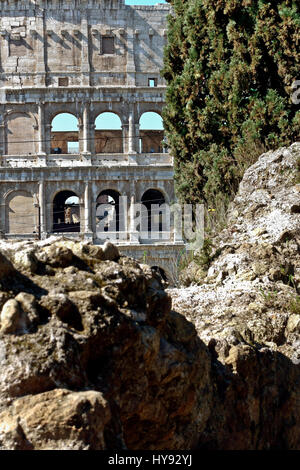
(253,283)
(91,356)
(13,319)
(247,310)
(56,420)
(110,252)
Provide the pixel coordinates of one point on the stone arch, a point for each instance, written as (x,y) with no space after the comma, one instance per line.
(149,107)
(108,120)
(65,133)
(66,212)
(108,214)
(150,110)
(153,199)
(21,215)
(98,108)
(20,133)
(151,132)
(108,133)
(156,187)
(59,111)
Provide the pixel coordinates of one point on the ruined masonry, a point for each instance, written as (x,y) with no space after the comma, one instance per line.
(84,58)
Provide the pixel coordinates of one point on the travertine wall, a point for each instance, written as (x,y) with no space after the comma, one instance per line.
(83,58)
(61,139)
(151,141)
(108,141)
(21,213)
(42,42)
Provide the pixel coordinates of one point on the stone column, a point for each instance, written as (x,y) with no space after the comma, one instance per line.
(48,145)
(5,50)
(130,66)
(3,222)
(125,137)
(92,138)
(86,131)
(93,216)
(2,139)
(133,233)
(88,232)
(131,136)
(137,137)
(40,45)
(41,126)
(49,216)
(42,210)
(85,64)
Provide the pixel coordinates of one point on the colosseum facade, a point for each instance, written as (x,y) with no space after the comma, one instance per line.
(84,58)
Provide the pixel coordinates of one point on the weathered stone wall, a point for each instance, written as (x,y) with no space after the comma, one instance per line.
(108,141)
(83,58)
(26,117)
(41,44)
(151,141)
(21,213)
(61,139)
(50,56)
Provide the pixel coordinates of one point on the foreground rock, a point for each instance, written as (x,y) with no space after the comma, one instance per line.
(91,357)
(247,310)
(56,420)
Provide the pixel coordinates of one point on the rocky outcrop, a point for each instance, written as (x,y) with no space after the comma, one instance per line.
(252,286)
(56,420)
(247,311)
(91,357)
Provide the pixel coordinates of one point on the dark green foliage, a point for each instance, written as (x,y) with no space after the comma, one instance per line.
(230,66)
(203,257)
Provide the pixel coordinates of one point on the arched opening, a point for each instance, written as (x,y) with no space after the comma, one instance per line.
(66,212)
(108,214)
(64,134)
(151,133)
(153,199)
(161,272)
(108,133)
(21,213)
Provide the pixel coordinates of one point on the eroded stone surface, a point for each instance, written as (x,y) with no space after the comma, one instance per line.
(246,309)
(252,286)
(102,362)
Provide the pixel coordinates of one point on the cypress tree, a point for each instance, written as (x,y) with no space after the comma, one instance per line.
(229,66)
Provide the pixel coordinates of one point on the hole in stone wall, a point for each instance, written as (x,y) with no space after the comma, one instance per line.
(295,209)
(108,45)
(64,134)
(153,199)
(161,272)
(108,133)
(151,133)
(66,212)
(63,81)
(152,82)
(108,211)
